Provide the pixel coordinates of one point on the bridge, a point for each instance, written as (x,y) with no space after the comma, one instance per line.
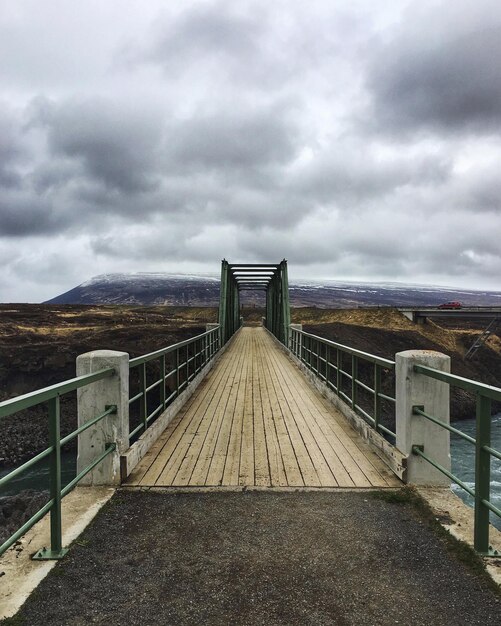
(421,314)
(269,407)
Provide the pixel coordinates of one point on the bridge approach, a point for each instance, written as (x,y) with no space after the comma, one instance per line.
(270,408)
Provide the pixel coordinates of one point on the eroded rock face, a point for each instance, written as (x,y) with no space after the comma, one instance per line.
(387,332)
(39,345)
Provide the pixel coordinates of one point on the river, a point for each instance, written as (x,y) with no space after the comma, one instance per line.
(463,463)
(462,454)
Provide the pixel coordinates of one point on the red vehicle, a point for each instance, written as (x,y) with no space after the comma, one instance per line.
(450,305)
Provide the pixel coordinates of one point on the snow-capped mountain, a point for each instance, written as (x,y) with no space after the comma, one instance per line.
(203,290)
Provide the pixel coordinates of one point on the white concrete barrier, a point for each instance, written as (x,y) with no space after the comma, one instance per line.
(93,400)
(413,389)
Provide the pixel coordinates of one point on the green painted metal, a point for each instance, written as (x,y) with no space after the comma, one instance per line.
(308,347)
(482,474)
(196,356)
(28,400)
(56,533)
(53,451)
(51,396)
(419,410)
(377,395)
(488,391)
(483,451)
(271,278)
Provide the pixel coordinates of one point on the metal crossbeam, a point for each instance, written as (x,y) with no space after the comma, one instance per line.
(269,277)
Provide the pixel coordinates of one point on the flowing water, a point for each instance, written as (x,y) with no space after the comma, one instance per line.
(463,463)
(37,477)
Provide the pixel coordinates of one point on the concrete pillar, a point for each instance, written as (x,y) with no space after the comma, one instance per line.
(413,389)
(93,400)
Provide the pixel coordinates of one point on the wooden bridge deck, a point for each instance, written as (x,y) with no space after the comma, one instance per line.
(256,421)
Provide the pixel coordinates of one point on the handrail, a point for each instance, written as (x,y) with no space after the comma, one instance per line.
(307,348)
(487,391)
(198,351)
(28,400)
(349,350)
(53,451)
(483,450)
(175,346)
(189,358)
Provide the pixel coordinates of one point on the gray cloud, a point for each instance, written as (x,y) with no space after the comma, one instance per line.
(358,141)
(441,73)
(232,140)
(113,144)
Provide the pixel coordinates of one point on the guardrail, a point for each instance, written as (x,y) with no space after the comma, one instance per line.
(483,450)
(326,359)
(51,395)
(187,358)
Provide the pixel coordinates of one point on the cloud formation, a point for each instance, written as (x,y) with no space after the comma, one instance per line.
(358,141)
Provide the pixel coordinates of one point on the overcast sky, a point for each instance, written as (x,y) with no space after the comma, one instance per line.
(360,139)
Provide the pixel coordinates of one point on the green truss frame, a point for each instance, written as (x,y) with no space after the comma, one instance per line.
(268,277)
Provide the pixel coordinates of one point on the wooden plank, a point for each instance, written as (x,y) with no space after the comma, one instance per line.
(327,446)
(278,477)
(290,462)
(232,462)
(262,475)
(203,430)
(304,459)
(200,474)
(156,455)
(178,445)
(195,465)
(246,470)
(255,420)
(331,472)
(216,468)
(361,465)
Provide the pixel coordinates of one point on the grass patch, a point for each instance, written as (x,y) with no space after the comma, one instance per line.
(460,550)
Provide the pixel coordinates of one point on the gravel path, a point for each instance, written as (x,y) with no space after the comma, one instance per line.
(259,558)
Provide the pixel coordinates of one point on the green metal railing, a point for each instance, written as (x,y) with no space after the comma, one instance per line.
(326,359)
(189,357)
(178,365)
(485,394)
(51,396)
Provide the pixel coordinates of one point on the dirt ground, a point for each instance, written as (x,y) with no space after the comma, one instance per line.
(261,558)
(39,345)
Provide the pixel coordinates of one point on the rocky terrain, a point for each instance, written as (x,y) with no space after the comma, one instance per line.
(39,345)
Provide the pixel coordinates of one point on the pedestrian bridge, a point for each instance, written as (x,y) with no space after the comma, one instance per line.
(255,421)
(269,407)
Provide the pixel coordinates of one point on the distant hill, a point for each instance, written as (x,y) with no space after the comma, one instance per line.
(200,290)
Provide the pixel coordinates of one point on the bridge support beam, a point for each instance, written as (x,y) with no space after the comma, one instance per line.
(93,400)
(432,396)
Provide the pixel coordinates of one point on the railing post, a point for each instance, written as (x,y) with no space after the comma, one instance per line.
(482,474)
(56,529)
(299,340)
(209,327)
(94,399)
(413,389)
